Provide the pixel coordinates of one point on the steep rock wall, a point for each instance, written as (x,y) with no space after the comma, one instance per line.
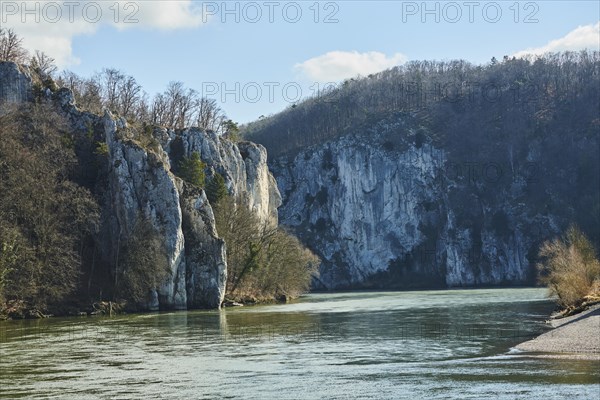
(142,183)
(132,181)
(393,215)
(243,166)
(15,83)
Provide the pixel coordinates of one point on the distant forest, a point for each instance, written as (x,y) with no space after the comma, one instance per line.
(514,99)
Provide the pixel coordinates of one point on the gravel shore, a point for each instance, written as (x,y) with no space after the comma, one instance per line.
(577,336)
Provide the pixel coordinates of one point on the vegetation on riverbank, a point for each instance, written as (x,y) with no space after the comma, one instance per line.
(571,270)
(264,263)
(46,218)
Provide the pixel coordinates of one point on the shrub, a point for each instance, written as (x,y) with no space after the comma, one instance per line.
(143,135)
(264,262)
(101,149)
(570,267)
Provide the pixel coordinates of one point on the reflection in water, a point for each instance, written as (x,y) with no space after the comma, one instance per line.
(436,344)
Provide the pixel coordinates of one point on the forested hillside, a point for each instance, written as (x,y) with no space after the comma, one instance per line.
(510,142)
(501,100)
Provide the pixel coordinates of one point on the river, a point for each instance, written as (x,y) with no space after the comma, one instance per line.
(369,345)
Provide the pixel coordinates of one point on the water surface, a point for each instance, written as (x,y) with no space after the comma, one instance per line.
(375,345)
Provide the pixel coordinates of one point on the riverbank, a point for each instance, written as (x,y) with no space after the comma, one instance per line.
(576,336)
(20,310)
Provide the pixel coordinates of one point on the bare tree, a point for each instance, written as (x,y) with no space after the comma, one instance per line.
(70,80)
(186,109)
(43,64)
(11,47)
(263,261)
(91,95)
(174,96)
(111,80)
(209,115)
(570,268)
(179,105)
(129,92)
(87,92)
(221,124)
(143,110)
(159,110)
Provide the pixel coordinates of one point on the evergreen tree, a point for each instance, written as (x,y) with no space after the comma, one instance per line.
(216,189)
(191,170)
(232,131)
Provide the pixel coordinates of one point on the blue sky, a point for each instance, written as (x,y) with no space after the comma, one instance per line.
(256,68)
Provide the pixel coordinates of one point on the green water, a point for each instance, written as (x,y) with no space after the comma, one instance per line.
(414,345)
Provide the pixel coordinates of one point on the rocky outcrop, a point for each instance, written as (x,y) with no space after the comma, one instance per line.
(261,191)
(206,261)
(140,185)
(15,84)
(243,166)
(132,180)
(394,214)
(360,206)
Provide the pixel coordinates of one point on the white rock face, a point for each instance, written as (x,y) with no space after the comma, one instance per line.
(261,192)
(15,84)
(381,217)
(242,165)
(141,186)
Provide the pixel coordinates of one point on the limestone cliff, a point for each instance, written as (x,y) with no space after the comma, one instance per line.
(140,182)
(243,166)
(15,83)
(133,180)
(391,215)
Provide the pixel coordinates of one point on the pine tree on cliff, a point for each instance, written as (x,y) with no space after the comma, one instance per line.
(191,170)
(216,189)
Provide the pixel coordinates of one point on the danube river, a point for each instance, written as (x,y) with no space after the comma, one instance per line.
(369,345)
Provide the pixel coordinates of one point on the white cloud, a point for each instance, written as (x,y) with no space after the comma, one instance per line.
(56,47)
(338,65)
(52,30)
(582,37)
(165,15)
